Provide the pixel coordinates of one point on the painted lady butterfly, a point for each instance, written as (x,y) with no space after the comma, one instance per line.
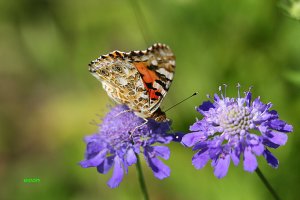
(139,79)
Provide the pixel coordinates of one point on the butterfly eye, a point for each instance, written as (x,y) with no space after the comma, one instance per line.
(117,68)
(104,72)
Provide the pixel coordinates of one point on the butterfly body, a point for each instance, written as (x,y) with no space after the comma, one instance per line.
(139,79)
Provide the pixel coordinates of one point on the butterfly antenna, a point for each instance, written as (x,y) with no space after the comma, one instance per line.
(181,101)
(141,20)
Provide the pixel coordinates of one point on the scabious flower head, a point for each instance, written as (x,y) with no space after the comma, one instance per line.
(234,127)
(119,140)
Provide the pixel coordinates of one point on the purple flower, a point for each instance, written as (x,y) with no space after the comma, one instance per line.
(118,142)
(235,127)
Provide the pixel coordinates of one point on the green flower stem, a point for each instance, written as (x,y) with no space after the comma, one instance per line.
(267,184)
(141,178)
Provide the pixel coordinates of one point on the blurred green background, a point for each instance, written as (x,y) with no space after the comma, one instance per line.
(49,100)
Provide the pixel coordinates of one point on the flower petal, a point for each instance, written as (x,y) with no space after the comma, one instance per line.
(205,106)
(95,161)
(196,126)
(203,126)
(268,143)
(159,169)
(200,145)
(235,156)
(277,137)
(118,174)
(248,98)
(130,157)
(258,149)
(280,125)
(252,139)
(162,151)
(216,97)
(258,105)
(271,159)
(93,148)
(105,166)
(250,162)
(191,139)
(92,138)
(221,166)
(165,139)
(199,160)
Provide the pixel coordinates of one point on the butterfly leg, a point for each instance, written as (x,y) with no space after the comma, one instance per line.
(139,126)
(120,113)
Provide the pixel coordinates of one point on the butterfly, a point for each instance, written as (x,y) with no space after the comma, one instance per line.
(139,79)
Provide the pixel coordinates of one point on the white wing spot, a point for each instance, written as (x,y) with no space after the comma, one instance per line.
(122,81)
(163,71)
(154,62)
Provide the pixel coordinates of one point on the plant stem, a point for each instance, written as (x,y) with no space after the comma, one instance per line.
(141,178)
(267,184)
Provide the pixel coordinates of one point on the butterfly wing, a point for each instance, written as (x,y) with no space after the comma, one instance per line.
(139,79)
(157,68)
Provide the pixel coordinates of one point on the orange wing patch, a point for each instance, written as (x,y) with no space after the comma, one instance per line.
(149,77)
